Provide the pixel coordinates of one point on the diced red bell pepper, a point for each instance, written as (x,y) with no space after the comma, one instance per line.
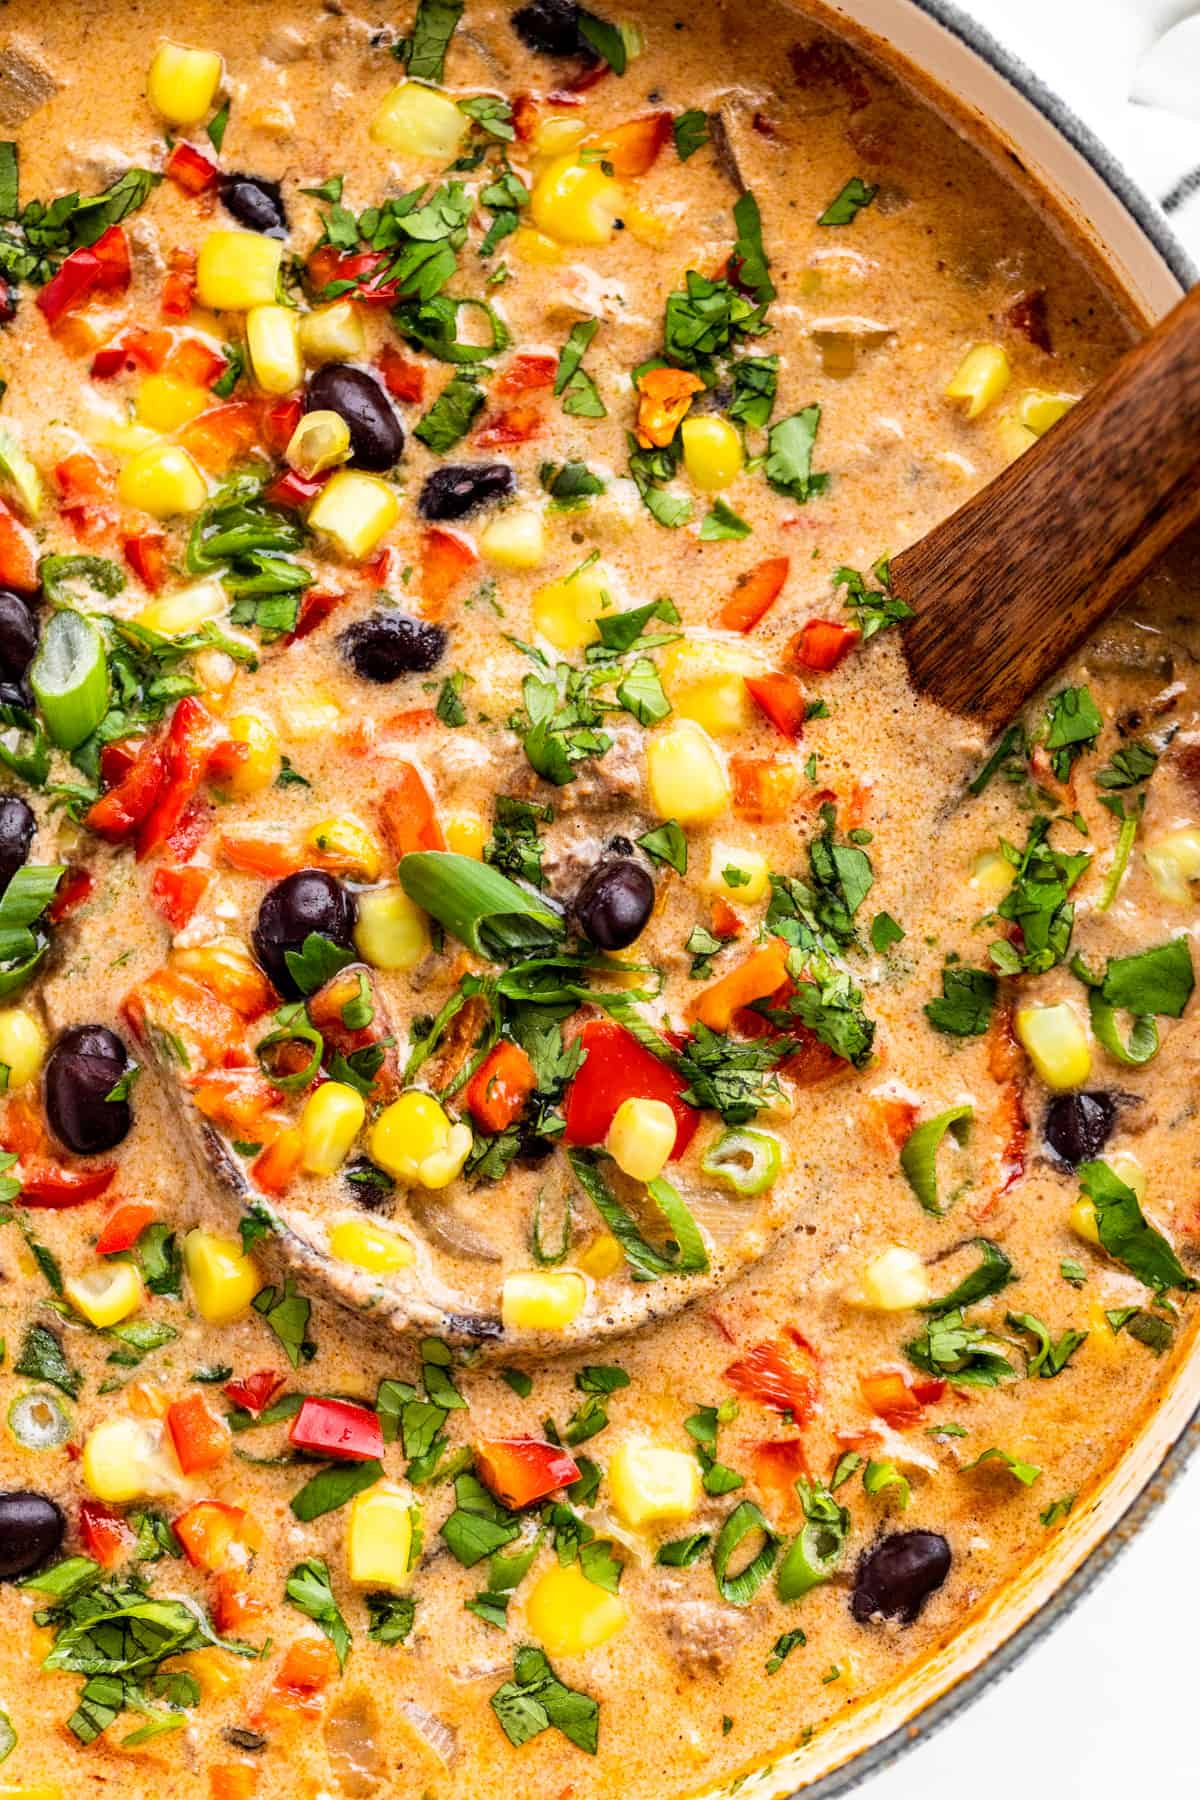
(235,1608)
(106,1536)
(633,148)
(75,887)
(126,1221)
(257,854)
(295,490)
(254,1392)
(74,284)
(822,644)
(617,1068)
(201,1439)
(240,1100)
(316,605)
(186,837)
(753,593)
(776,1464)
(764,787)
(781,698)
(360,268)
(408,815)
(770,1375)
(273,1168)
(339,1429)
(118,813)
(754,978)
(194,361)
(308,1666)
(402,377)
(190,169)
(18,554)
(515,425)
(191,736)
(215,1535)
(146,554)
(179,288)
(893,1398)
(222,436)
(112,253)
(445,558)
(500,1087)
(81,476)
(726,923)
(49,1186)
(522,1470)
(177,893)
(528,371)
(278,420)
(8,302)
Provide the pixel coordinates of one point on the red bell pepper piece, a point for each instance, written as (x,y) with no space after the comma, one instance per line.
(200,1438)
(215,1535)
(101,268)
(8,302)
(18,554)
(194,361)
(776,1464)
(527,371)
(770,1375)
(278,420)
(106,1536)
(753,593)
(522,1470)
(74,888)
(254,1392)
(633,148)
(781,698)
(401,375)
(119,812)
(295,490)
(235,1609)
(316,605)
(408,815)
(190,169)
(617,1068)
(515,425)
(189,744)
(894,1399)
(361,269)
(271,857)
(274,1167)
(822,644)
(81,477)
(756,977)
(126,1221)
(146,554)
(49,1186)
(726,923)
(179,288)
(338,1428)
(177,893)
(112,253)
(497,1092)
(764,787)
(222,436)
(444,560)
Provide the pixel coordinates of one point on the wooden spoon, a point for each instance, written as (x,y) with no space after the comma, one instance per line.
(1007,587)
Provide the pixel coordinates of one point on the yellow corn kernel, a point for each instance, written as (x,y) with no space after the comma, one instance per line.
(273,340)
(980,378)
(1083,1220)
(370,1247)
(216,1671)
(24,1790)
(379,1537)
(332,1118)
(542,1299)
(565,612)
(238,270)
(333,333)
(165,403)
(645,226)
(313,716)
(275,117)
(893,1281)
(182,83)
(392,932)
(641,1138)
(704,679)
(163,481)
(1057,1042)
(558,135)
(568,1614)
(120,435)
(419,121)
(22,1046)
(415,1140)
(128,1459)
(1038,410)
(685,775)
(515,539)
(736,873)
(1126,1167)
(651,1484)
(320,441)
(260,767)
(466,833)
(105,1294)
(991,877)
(712,452)
(603,1256)
(347,848)
(355,511)
(576,203)
(175,615)
(223,1280)
(536,247)
(1174,862)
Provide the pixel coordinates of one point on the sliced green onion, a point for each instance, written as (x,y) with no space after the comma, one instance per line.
(100,578)
(69,676)
(740,1589)
(297,1032)
(918,1158)
(1143,1038)
(1025,1473)
(879,1476)
(813,1555)
(747,1162)
(994,1272)
(1120,862)
(547,1258)
(689,1255)
(39,1421)
(478,905)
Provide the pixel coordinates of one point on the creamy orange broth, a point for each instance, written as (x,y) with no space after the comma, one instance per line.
(870,322)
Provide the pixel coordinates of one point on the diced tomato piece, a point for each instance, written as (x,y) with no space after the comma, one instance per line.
(445,558)
(726,923)
(770,1375)
(524,1469)
(194,361)
(500,1087)
(408,815)
(214,1535)
(106,1536)
(764,787)
(822,644)
(528,371)
(339,1429)
(176,894)
(274,1168)
(126,1221)
(271,857)
(316,605)
(295,490)
(279,419)
(190,738)
(616,1068)
(401,375)
(18,554)
(190,169)
(633,148)
(776,1464)
(75,887)
(235,1608)
(308,1667)
(200,1438)
(222,436)
(56,1189)
(146,554)
(179,288)
(758,975)
(255,1392)
(781,698)
(753,593)
(893,1398)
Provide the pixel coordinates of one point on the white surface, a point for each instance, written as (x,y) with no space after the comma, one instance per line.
(1077,1718)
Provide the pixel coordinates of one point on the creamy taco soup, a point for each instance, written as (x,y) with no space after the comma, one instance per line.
(568,1144)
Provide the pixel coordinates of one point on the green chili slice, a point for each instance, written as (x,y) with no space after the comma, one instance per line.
(918,1158)
(688,1255)
(69,676)
(747,1162)
(879,1476)
(39,1421)
(298,1031)
(1142,1044)
(740,1588)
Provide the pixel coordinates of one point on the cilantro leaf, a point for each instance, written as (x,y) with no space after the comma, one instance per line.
(1075,722)
(450,416)
(845,208)
(310,1591)
(1126,1233)
(874,608)
(965,1008)
(690,130)
(790,446)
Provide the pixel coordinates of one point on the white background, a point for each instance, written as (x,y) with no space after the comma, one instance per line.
(1108,1702)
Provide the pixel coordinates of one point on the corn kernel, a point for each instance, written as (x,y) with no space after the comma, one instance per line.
(565,612)
(568,1614)
(273,340)
(893,1281)
(515,539)
(736,873)
(332,1118)
(313,716)
(38,1790)
(356,511)
(712,452)
(165,403)
(686,777)
(19,476)
(575,203)
(346,848)
(542,1300)
(704,679)
(980,379)
(22,1046)
(163,481)
(223,1280)
(260,767)
(105,1294)
(333,333)
(175,615)
(370,1247)
(182,83)
(1173,862)
(1057,1042)
(644,225)
(991,877)
(536,247)
(392,932)
(466,833)
(419,121)
(238,270)
(379,1537)
(602,1257)
(122,436)
(1038,411)
(415,1141)
(128,1459)
(1083,1220)
(320,441)
(558,135)
(216,1671)
(650,1484)
(641,1138)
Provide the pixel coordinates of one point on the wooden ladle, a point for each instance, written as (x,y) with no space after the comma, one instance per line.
(1008,586)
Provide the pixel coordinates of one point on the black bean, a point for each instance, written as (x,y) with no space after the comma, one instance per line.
(897,1576)
(614,903)
(18,637)
(457,489)
(255,203)
(17,826)
(94,1040)
(31,1531)
(386,645)
(376,434)
(83,1068)
(309,901)
(551,27)
(1077,1127)
(619,845)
